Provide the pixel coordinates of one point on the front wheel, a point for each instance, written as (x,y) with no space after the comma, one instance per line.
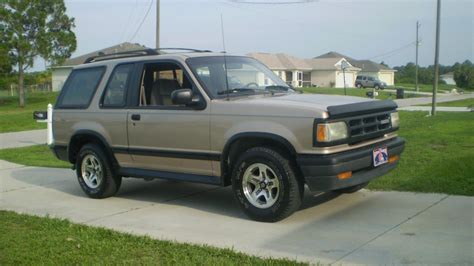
(94,173)
(359,86)
(377,87)
(266,185)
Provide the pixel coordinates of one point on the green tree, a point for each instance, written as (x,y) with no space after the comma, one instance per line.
(35,28)
(5,63)
(464,75)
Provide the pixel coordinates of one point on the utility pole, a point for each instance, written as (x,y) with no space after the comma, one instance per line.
(416,60)
(436,62)
(157,24)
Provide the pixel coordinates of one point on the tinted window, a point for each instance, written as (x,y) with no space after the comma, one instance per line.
(80,87)
(371,78)
(115,92)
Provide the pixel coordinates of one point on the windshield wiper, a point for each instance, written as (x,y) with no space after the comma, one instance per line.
(236,90)
(275,88)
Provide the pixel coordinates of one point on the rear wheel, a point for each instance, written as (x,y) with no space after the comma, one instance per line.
(94,172)
(352,189)
(377,87)
(266,185)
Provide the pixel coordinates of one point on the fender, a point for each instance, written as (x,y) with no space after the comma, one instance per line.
(259,135)
(86,132)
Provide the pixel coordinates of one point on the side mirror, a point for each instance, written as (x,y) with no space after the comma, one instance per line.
(182,97)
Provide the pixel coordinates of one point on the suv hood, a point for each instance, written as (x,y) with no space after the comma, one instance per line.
(294,105)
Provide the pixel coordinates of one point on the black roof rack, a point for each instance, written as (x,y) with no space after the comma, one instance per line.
(134,53)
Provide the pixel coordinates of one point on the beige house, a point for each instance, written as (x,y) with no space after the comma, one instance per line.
(325,72)
(294,71)
(333,72)
(60,73)
(367,67)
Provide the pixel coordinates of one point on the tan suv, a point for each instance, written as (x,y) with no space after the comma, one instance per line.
(202,117)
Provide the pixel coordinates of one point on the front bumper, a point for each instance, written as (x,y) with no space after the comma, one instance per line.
(320,171)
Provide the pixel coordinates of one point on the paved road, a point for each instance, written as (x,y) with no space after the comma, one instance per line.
(426,100)
(22,138)
(362,228)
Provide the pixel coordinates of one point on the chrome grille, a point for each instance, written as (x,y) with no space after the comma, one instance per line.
(369,126)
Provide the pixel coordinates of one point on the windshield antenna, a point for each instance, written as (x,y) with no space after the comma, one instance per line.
(225,58)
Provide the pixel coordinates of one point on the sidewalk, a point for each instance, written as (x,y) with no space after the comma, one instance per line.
(362,228)
(425,100)
(438,108)
(22,138)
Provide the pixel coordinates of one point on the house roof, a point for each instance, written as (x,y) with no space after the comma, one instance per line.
(328,64)
(364,65)
(123,47)
(448,75)
(333,55)
(281,61)
(370,66)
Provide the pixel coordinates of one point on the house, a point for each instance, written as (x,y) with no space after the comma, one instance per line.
(325,72)
(333,72)
(448,78)
(60,73)
(367,67)
(294,71)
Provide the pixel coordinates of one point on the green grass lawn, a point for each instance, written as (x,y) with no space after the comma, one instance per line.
(425,87)
(438,157)
(14,118)
(383,95)
(460,103)
(31,240)
(39,155)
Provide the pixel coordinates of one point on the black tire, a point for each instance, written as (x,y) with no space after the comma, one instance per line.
(359,86)
(110,182)
(349,190)
(290,191)
(377,87)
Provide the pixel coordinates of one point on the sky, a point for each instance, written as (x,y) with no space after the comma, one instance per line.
(378,30)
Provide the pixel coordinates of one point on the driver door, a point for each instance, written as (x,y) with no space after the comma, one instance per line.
(164,136)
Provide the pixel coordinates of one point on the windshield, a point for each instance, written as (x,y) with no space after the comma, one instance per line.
(244,76)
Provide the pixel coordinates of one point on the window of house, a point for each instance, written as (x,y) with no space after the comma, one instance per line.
(80,87)
(116,90)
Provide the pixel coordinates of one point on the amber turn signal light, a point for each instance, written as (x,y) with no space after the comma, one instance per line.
(344,175)
(321,133)
(393,159)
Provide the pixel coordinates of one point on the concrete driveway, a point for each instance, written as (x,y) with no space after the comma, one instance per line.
(362,228)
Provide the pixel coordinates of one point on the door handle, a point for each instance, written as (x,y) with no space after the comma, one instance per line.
(136,117)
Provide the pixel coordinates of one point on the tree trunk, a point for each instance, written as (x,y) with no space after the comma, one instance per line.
(21,89)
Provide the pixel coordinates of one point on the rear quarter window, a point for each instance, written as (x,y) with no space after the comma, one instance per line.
(80,88)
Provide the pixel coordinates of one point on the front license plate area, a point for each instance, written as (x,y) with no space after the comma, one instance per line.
(380,156)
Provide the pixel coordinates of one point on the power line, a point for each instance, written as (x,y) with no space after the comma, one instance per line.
(394,51)
(261,2)
(127,25)
(143,20)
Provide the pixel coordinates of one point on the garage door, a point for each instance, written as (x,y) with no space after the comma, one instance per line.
(387,78)
(349,80)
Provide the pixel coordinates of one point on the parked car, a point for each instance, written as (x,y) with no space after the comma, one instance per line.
(369,82)
(176,116)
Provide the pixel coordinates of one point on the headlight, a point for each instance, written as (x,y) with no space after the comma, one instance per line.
(329,132)
(395,120)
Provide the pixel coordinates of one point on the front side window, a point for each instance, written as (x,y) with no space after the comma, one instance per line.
(115,92)
(80,87)
(244,76)
(158,81)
